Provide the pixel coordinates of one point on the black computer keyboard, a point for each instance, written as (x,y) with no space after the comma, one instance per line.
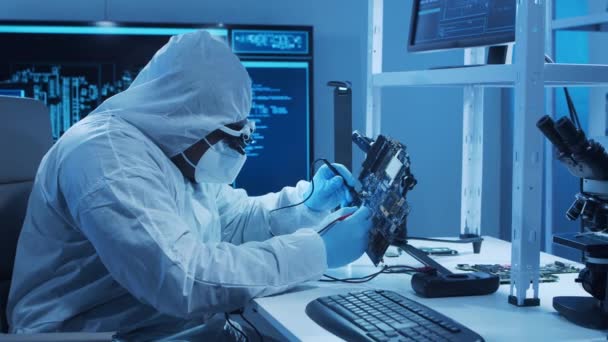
(384,316)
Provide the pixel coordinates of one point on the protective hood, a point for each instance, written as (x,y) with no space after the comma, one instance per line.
(192,86)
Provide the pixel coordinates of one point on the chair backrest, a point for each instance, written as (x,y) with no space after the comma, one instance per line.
(25,136)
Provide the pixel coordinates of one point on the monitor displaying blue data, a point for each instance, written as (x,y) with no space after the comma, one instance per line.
(445,24)
(73,68)
(280,110)
(270,42)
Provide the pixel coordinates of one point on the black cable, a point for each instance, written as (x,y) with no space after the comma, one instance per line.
(234,327)
(569,102)
(329,225)
(395,269)
(355,280)
(351,189)
(572,109)
(253,327)
(469,240)
(312,189)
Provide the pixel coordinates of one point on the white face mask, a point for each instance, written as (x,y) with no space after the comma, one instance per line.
(219,164)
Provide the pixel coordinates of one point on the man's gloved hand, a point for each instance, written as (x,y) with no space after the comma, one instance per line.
(329,189)
(346,240)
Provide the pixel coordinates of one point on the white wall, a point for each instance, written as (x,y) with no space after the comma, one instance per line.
(429,122)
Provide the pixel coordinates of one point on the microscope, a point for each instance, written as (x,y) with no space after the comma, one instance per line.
(585,159)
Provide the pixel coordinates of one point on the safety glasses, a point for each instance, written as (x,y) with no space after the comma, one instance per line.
(238,135)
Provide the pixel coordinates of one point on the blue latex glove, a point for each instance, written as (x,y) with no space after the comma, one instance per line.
(329,189)
(346,240)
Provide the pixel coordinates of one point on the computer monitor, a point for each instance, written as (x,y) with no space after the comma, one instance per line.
(446,24)
(73,67)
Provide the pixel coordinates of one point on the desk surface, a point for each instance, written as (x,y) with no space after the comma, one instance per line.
(490,316)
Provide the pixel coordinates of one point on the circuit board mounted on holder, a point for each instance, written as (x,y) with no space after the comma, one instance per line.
(386,179)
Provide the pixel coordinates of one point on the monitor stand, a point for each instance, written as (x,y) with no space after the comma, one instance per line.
(500,54)
(441,282)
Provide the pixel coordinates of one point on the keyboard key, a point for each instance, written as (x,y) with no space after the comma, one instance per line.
(432,336)
(391,333)
(384,327)
(368,327)
(404,325)
(409,332)
(420,330)
(360,321)
(378,336)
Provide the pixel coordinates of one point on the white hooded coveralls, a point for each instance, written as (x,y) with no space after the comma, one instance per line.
(116,239)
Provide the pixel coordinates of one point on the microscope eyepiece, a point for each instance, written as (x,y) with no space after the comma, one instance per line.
(572,137)
(547,127)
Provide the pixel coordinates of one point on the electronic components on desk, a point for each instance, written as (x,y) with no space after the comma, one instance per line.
(392,252)
(547,272)
(385,179)
(438,250)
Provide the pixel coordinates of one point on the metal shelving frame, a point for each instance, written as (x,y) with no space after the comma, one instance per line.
(591,23)
(529,76)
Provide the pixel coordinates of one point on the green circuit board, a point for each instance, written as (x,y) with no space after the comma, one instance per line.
(548,273)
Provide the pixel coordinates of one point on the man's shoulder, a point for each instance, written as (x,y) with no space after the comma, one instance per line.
(99,146)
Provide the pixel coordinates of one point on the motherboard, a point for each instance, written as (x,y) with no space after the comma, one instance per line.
(547,273)
(385,179)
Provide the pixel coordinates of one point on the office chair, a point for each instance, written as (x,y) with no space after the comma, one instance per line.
(25,136)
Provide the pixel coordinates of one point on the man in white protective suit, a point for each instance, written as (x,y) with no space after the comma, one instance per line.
(132,225)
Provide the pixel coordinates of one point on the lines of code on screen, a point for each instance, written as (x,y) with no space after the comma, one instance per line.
(452,20)
(279,154)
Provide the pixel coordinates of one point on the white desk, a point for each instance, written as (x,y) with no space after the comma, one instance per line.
(490,316)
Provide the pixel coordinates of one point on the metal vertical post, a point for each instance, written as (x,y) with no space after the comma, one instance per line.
(472,151)
(374,66)
(527,151)
(549,154)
